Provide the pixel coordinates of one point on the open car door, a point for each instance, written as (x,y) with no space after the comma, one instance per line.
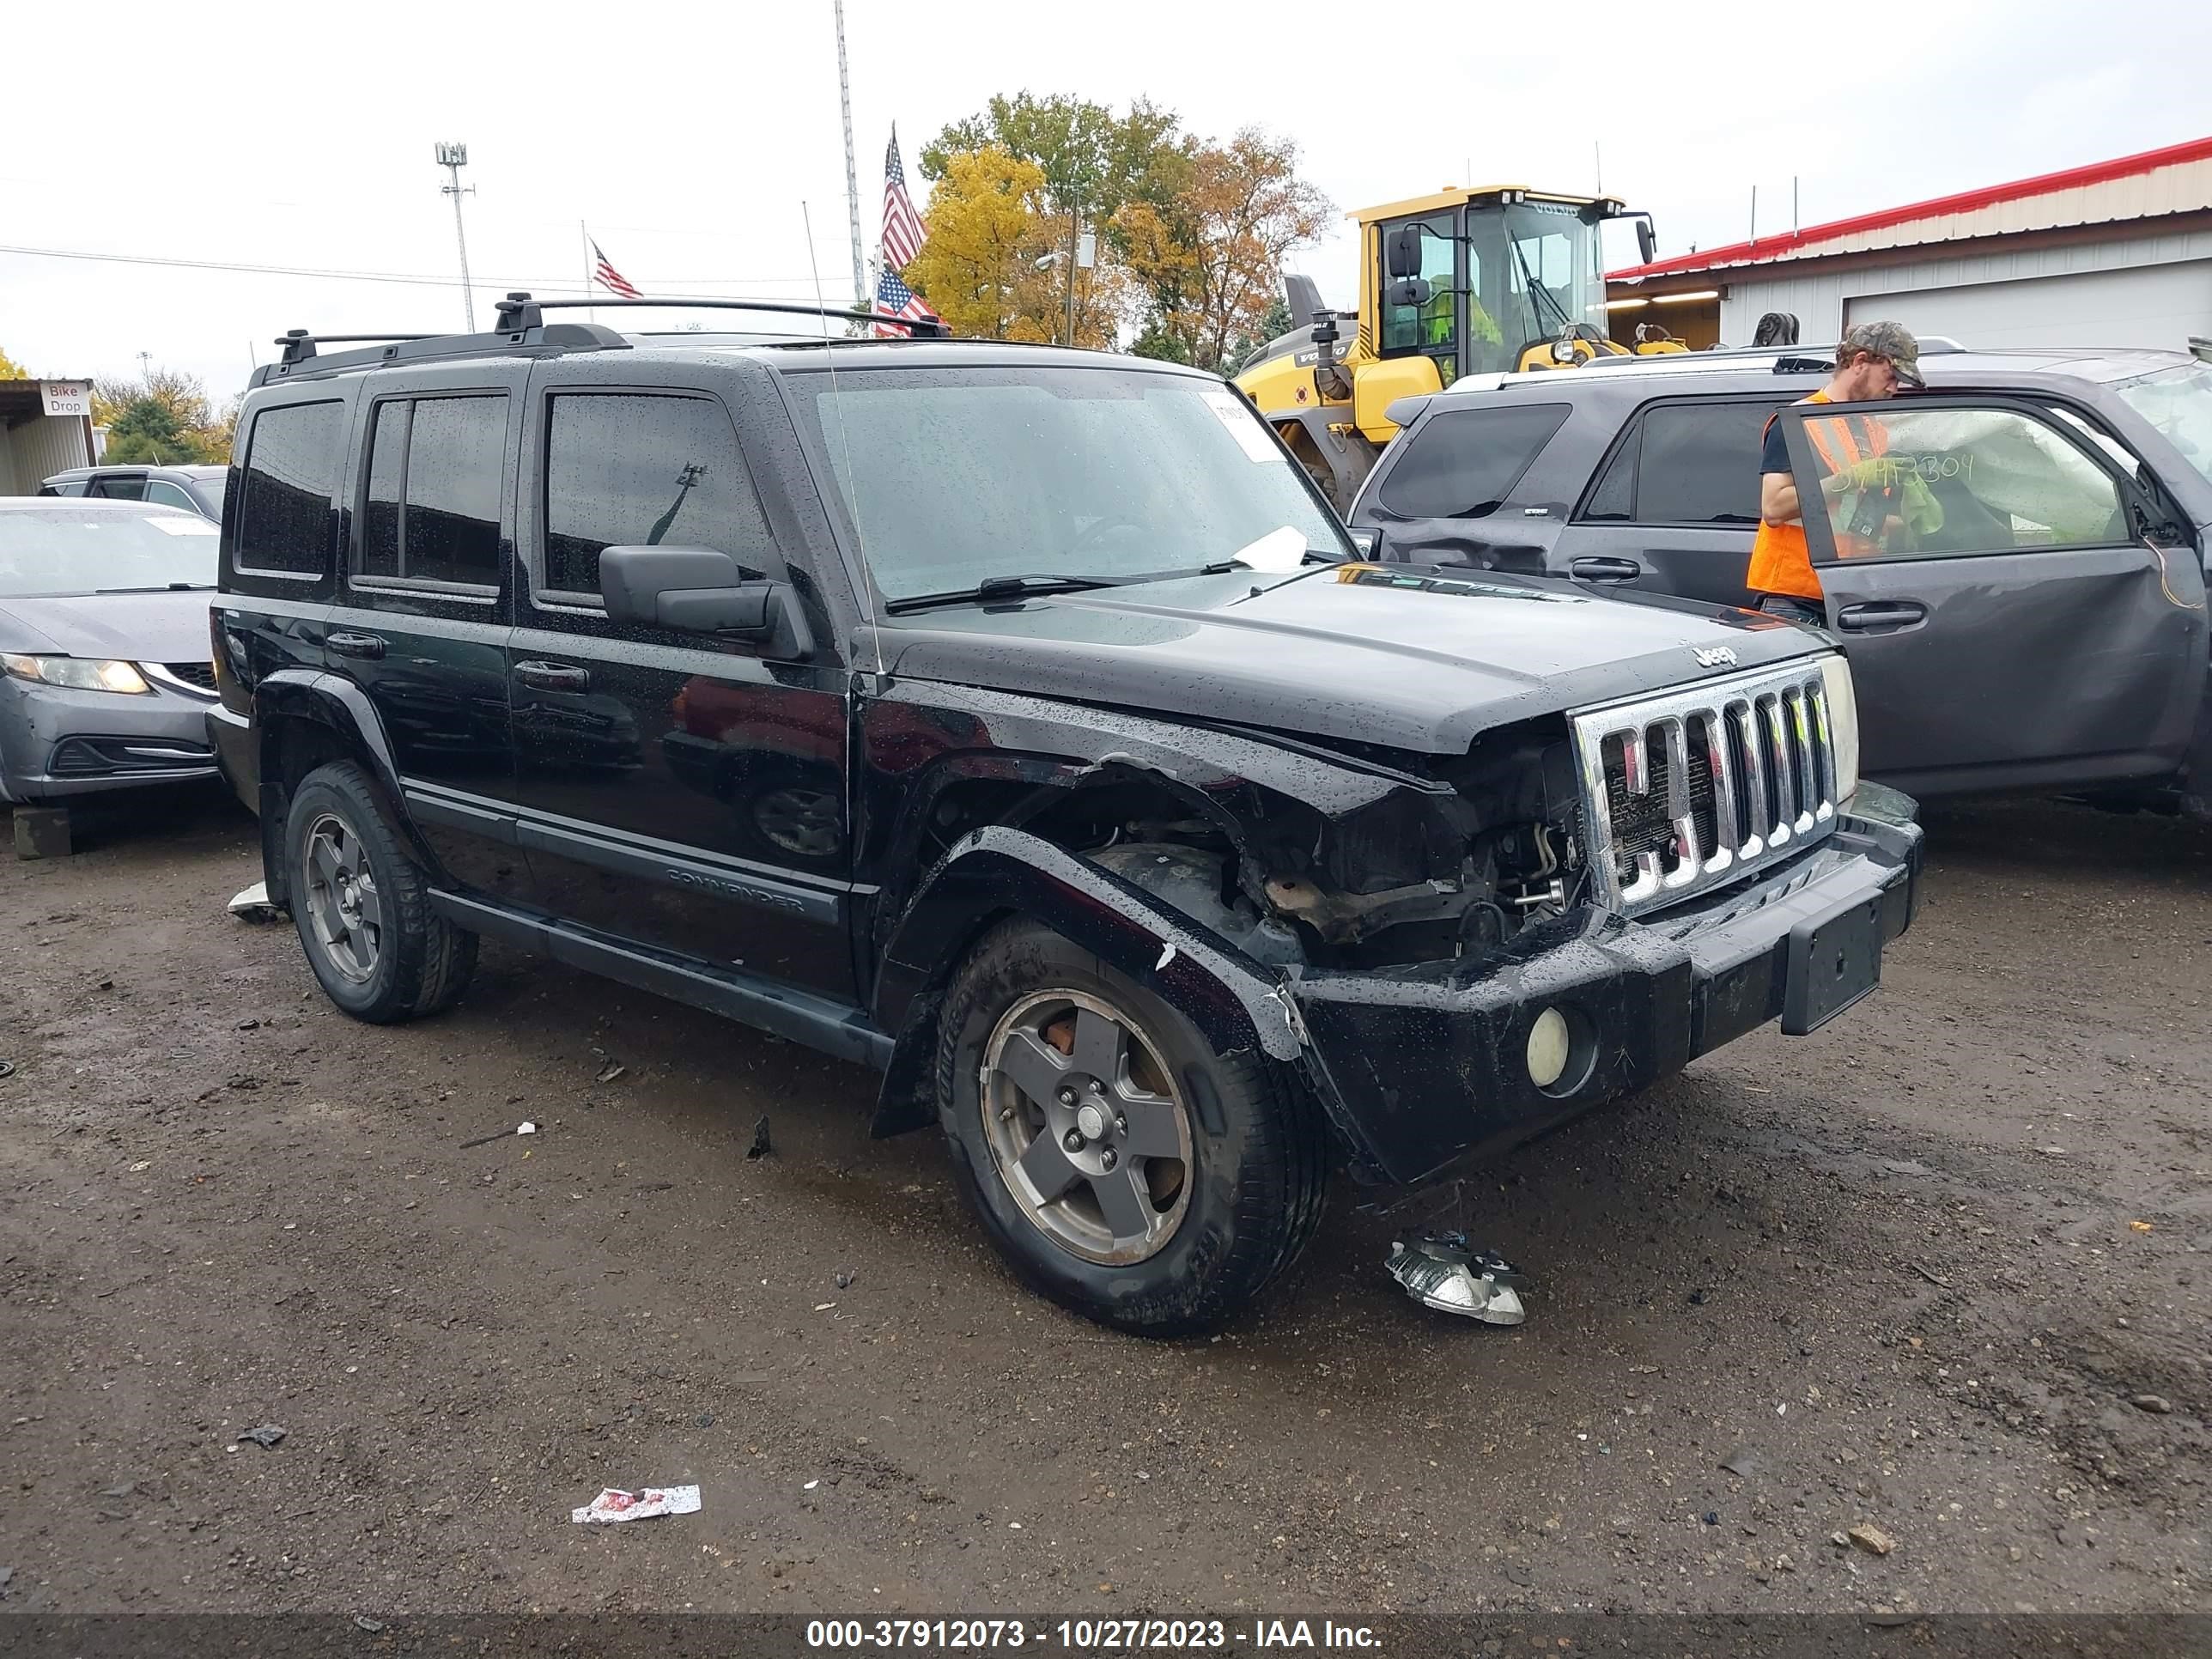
(2022,606)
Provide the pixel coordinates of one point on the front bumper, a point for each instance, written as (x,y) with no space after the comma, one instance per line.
(57,743)
(1424,1066)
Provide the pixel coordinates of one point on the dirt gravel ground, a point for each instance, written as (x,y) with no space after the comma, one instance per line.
(1937,1271)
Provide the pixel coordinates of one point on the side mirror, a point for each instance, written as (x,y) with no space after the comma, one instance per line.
(1413,291)
(1647,240)
(696,590)
(1401,251)
(1366,539)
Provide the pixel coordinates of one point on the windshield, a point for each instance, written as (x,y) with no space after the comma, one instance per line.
(2177,402)
(1535,271)
(964,475)
(70,550)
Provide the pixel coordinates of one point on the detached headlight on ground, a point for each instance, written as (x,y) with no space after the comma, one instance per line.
(78,673)
(1843,725)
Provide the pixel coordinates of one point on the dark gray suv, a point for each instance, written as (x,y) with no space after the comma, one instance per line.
(2040,625)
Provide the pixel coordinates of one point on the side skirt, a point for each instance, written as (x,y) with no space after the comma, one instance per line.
(835,1028)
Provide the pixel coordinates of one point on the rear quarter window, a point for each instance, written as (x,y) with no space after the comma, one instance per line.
(1685,462)
(288,514)
(1463,463)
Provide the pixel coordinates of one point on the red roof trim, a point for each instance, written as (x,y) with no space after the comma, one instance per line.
(1773,247)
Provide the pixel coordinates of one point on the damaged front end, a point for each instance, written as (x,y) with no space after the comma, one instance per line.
(1463,950)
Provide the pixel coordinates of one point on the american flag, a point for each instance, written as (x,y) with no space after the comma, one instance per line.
(608,277)
(894,299)
(903,235)
(902,226)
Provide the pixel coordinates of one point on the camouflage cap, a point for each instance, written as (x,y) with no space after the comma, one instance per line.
(1892,342)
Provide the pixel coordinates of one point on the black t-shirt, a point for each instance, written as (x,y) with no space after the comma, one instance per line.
(1774,453)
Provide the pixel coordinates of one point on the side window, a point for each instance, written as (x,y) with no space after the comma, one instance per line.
(1462,464)
(387,476)
(164,493)
(129,488)
(636,470)
(1699,462)
(287,516)
(1936,482)
(1613,498)
(436,471)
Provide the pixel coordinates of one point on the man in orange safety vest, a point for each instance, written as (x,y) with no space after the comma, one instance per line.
(1873,361)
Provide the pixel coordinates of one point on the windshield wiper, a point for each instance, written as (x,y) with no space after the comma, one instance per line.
(1001,587)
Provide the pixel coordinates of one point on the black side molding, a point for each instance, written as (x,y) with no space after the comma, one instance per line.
(835,1028)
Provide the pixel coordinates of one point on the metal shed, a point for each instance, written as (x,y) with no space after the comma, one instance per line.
(46,426)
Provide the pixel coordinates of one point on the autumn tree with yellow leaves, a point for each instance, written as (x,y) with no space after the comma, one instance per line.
(1191,235)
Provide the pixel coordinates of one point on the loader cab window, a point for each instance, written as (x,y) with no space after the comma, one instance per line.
(1431,329)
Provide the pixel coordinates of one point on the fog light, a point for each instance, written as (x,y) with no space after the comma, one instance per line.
(1549,1043)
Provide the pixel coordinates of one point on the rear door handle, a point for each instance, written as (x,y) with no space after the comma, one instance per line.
(356,645)
(1606,570)
(553,676)
(1881,615)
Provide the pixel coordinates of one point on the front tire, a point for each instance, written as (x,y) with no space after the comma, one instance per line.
(1121,1166)
(361,903)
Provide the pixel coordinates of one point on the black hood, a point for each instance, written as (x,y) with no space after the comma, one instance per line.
(171,626)
(1393,656)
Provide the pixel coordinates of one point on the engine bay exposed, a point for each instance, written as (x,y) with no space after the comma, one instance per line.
(1471,851)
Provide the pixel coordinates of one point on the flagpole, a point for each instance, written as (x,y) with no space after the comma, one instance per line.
(584,231)
(852,177)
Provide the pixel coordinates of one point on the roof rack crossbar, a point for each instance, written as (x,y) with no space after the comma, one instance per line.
(300,344)
(521,311)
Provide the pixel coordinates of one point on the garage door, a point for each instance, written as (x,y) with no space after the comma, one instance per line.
(2145,306)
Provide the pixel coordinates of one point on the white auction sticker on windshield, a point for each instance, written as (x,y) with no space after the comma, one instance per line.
(1244,426)
(182,526)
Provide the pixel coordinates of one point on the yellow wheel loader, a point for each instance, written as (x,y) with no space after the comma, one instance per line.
(1465,282)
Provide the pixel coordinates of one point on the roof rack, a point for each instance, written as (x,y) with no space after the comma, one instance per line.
(520,325)
(519,311)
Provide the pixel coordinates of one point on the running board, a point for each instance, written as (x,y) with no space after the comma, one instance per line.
(835,1028)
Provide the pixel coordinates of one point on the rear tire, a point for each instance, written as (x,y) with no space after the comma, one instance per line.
(361,903)
(1226,1154)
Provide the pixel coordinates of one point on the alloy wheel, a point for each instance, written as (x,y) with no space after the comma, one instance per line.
(1086,1126)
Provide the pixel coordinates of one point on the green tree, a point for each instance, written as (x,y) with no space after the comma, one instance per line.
(12,370)
(163,418)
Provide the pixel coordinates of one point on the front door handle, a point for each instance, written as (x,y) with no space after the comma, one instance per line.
(370,646)
(553,676)
(1606,570)
(1881,615)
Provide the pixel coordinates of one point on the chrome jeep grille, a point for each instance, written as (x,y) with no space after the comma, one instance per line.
(1696,788)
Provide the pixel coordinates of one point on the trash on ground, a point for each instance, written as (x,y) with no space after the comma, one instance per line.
(760,1148)
(522,1129)
(811,1485)
(1445,1272)
(611,1505)
(252,905)
(1873,1540)
(845,1280)
(7,1069)
(2133,1226)
(266,1435)
(361,1621)
(609,1072)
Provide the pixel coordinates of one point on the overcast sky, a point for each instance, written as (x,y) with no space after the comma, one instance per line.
(688,135)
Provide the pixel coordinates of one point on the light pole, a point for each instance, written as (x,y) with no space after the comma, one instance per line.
(453,158)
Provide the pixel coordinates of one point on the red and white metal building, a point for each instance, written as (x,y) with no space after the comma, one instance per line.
(2119,253)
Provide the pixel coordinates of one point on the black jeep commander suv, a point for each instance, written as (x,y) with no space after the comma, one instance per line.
(1018,722)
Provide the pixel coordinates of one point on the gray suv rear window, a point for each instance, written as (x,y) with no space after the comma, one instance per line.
(1462,464)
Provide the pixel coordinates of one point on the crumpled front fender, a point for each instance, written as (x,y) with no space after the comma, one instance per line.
(995,873)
